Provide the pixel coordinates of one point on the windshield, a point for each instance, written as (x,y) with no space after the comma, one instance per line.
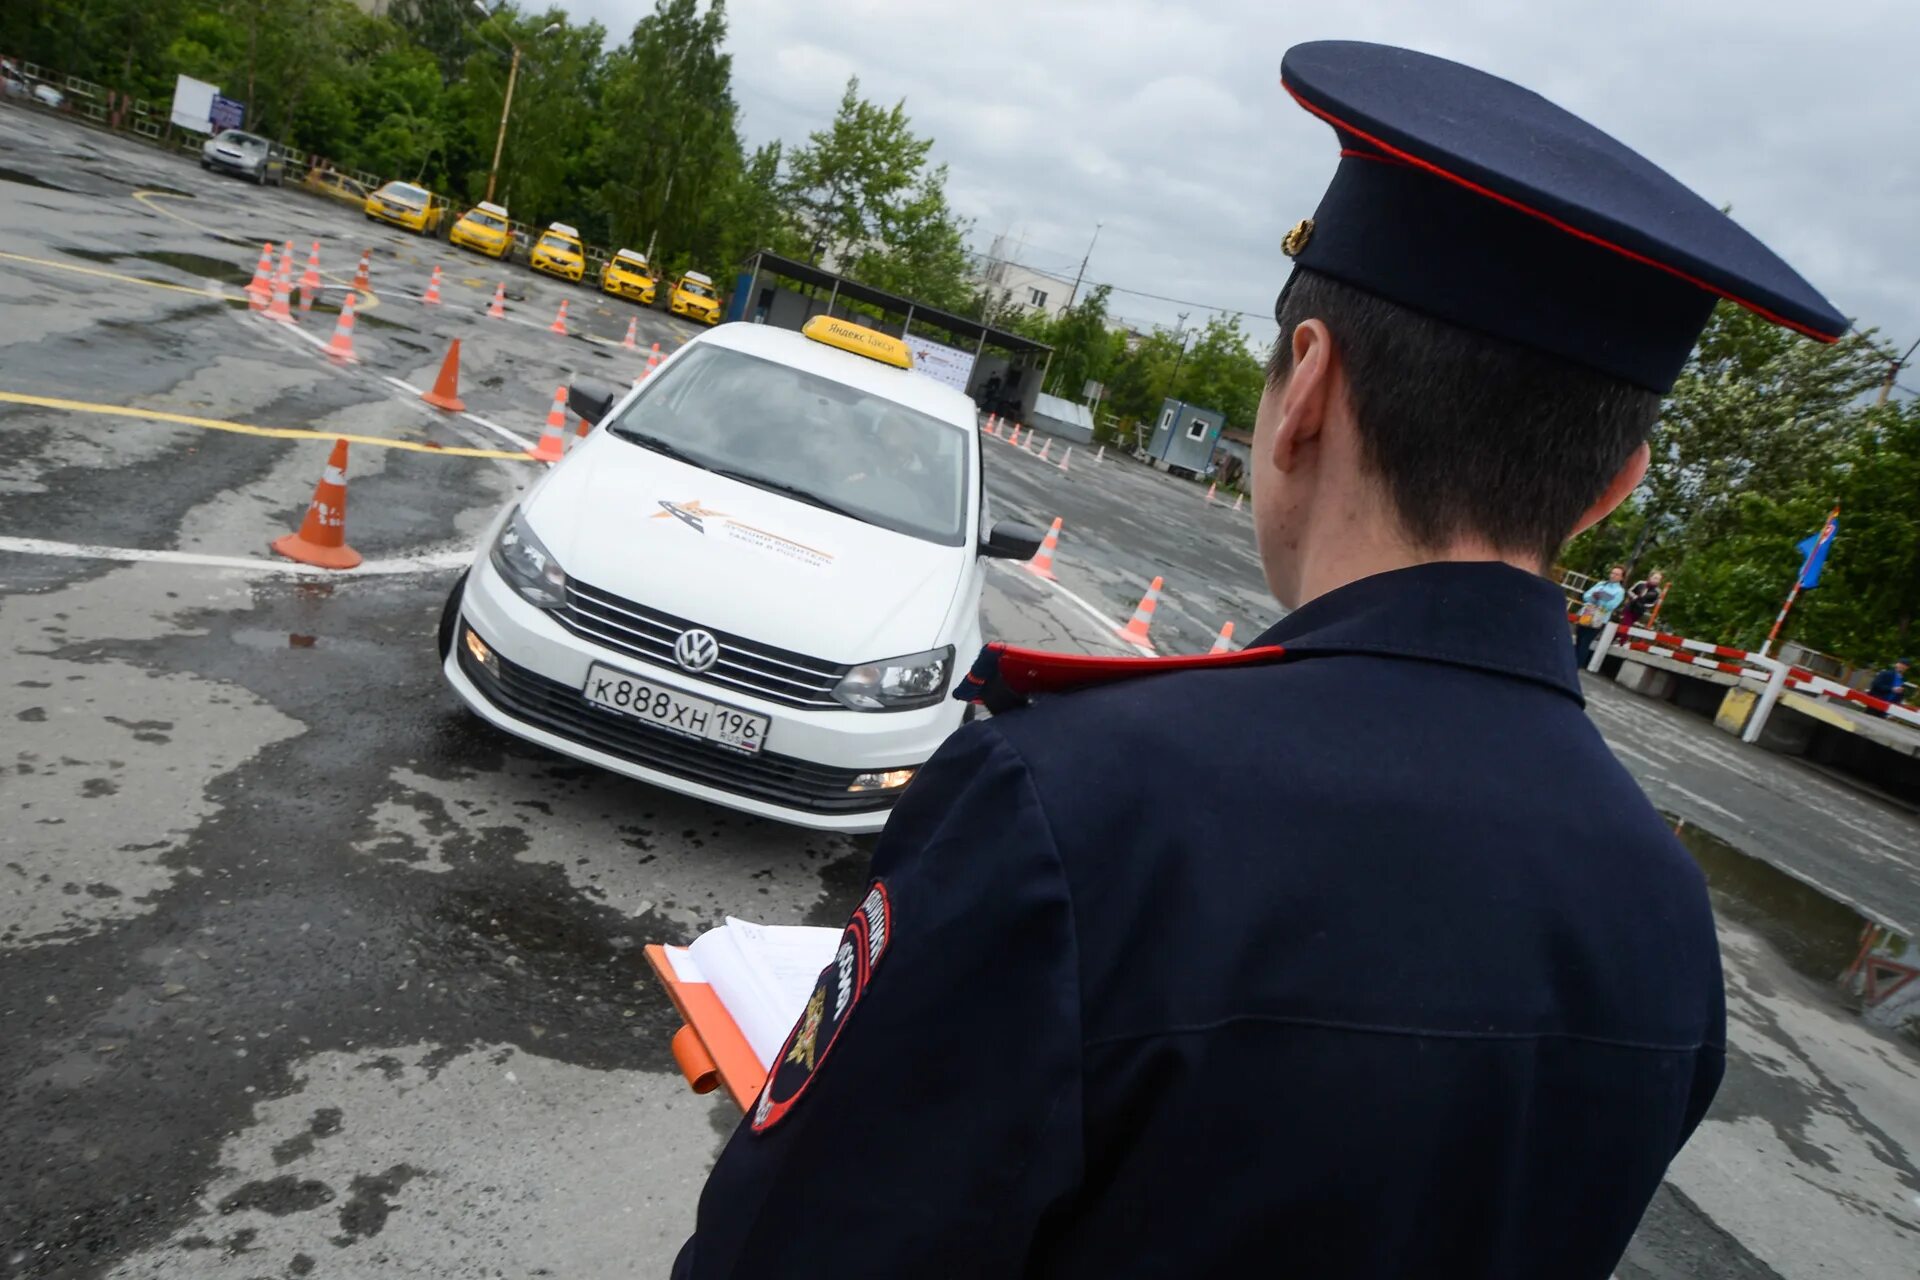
(695,288)
(561,243)
(246,141)
(486,219)
(405,192)
(816,439)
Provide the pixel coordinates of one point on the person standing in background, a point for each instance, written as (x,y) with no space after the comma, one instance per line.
(1891,684)
(1642,598)
(1596,606)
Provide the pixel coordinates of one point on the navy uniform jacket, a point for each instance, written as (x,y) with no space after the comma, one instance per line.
(1369,963)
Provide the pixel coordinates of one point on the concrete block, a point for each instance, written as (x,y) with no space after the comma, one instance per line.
(1645,680)
(1735,710)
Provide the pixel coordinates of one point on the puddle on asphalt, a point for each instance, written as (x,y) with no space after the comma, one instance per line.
(194,264)
(28,180)
(1875,971)
(198,264)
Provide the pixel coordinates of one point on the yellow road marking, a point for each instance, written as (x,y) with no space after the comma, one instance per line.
(209,292)
(248,429)
(366,301)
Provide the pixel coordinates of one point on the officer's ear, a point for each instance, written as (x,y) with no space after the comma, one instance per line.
(1307,394)
(1624,482)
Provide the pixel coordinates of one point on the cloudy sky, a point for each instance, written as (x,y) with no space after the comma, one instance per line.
(1166,121)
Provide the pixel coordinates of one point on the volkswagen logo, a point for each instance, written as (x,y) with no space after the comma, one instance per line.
(696,650)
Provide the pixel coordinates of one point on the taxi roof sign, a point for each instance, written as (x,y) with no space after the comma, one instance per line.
(561,228)
(860,340)
(497,211)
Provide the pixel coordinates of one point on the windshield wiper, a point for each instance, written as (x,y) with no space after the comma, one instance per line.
(807,496)
(658,445)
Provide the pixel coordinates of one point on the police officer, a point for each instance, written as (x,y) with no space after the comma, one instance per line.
(1385,967)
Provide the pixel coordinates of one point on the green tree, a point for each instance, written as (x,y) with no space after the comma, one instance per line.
(846,180)
(919,247)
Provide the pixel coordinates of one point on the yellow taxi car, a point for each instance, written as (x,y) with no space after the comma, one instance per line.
(334,185)
(484,229)
(558,253)
(405,205)
(627,275)
(695,298)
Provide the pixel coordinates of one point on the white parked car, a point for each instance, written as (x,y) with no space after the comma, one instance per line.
(757,581)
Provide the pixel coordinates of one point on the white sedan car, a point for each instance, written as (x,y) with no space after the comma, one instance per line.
(757,580)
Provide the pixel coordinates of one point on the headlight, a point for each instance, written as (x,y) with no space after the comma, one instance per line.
(528,566)
(895,684)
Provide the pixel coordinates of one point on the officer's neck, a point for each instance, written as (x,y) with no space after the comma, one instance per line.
(1360,544)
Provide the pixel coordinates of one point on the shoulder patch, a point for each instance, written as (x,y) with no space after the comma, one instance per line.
(863,944)
(1006,676)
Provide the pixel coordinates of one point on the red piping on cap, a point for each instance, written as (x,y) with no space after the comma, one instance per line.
(1434,169)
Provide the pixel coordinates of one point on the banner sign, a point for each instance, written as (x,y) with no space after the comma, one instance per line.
(942,363)
(226,113)
(193,104)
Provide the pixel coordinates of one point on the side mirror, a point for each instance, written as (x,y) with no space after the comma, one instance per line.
(590,398)
(1011,540)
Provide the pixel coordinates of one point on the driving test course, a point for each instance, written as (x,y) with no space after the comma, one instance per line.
(403,633)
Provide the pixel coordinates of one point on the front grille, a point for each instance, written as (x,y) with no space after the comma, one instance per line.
(778,675)
(560,709)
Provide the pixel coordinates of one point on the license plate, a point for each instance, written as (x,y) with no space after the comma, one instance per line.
(674,711)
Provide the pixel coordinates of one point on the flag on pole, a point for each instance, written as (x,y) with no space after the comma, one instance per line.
(1814,552)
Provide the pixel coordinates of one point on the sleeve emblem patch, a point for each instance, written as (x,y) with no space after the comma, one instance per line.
(835,993)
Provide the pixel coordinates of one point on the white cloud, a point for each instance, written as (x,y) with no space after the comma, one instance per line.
(1166,120)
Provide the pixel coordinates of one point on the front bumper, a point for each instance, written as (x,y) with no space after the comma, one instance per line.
(629,290)
(702,314)
(555,267)
(801,776)
(491,248)
(405,221)
(225,165)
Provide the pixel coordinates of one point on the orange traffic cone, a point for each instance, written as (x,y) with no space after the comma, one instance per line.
(993,424)
(498,307)
(653,361)
(559,324)
(582,428)
(360,276)
(1210,489)
(1063,457)
(1238,498)
(1102,455)
(1135,632)
(1046,447)
(340,346)
(1041,566)
(260,288)
(446,387)
(283,288)
(1223,643)
(633,332)
(1013,437)
(553,439)
(322,539)
(432,296)
(310,279)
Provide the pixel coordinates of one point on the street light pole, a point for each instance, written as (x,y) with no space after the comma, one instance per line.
(1893,371)
(1079,275)
(500,140)
(506,104)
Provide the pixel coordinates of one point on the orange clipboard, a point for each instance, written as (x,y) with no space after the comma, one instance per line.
(709,1048)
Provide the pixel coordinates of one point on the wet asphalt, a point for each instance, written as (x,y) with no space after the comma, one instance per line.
(304,971)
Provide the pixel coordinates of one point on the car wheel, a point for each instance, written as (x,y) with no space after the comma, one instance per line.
(450,615)
(204,165)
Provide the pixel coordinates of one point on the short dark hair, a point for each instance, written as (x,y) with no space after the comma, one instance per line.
(1471,435)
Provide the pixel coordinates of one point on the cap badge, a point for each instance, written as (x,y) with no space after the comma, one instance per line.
(1296,239)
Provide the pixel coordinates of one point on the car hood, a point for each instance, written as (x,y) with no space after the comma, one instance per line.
(742,560)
